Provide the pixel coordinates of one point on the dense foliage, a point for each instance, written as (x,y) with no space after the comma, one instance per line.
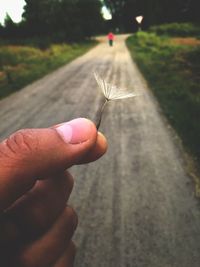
(59,20)
(71,20)
(20,65)
(177,29)
(154,12)
(172,70)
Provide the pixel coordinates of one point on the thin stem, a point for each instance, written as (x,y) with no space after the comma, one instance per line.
(101,113)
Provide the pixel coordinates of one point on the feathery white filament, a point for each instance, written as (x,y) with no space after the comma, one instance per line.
(112,92)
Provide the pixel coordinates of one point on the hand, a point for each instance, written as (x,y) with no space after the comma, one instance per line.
(36,225)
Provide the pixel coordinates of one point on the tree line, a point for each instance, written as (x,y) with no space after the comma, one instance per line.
(154,11)
(59,20)
(74,20)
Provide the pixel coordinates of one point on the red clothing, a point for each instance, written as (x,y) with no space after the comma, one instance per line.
(111,36)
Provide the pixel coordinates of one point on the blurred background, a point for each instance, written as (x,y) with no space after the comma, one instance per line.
(68,20)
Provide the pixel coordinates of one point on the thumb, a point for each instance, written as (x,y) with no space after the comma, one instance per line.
(28,155)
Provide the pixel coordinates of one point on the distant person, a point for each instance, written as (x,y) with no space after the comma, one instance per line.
(110,38)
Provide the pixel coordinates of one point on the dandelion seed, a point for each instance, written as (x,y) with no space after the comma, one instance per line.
(110,92)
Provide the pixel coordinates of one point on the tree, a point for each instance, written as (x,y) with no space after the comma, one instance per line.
(90,17)
(154,11)
(116,8)
(10,29)
(38,16)
(63,19)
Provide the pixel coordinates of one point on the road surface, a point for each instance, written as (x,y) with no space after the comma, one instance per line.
(136,205)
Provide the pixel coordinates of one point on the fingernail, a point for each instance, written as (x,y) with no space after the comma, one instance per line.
(75,131)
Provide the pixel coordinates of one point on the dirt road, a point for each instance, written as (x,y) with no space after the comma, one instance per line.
(136,205)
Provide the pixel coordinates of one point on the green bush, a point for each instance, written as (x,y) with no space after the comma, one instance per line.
(20,65)
(14,55)
(176,29)
(145,40)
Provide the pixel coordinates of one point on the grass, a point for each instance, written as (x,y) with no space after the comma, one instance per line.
(21,65)
(177,29)
(173,72)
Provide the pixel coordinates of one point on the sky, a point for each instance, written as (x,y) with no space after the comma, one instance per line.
(106,13)
(15,9)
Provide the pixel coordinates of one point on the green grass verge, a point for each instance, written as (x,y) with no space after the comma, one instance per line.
(21,65)
(177,29)
(172,71)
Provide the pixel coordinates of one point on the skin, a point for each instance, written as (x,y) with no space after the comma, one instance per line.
(36,224)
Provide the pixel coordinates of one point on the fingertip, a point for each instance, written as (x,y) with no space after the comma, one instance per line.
(97,151)
(102,143)
(77,131)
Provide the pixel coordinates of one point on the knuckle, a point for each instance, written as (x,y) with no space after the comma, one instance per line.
(72,217)
(19,144)
(20,141)
(73,248)
(69,181)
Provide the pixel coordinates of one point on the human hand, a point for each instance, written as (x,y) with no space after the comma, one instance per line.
(36,225)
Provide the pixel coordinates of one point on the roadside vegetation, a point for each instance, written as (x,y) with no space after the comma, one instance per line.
(20,65)
(50,34)
(169,57)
